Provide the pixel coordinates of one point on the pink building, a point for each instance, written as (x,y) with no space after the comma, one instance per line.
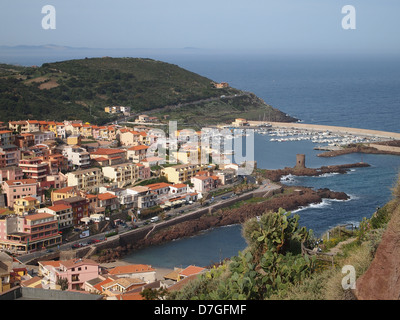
(34,169)
(11,173)
(76,271)
(144,172)
(32,232)
(202,183)
(16,189)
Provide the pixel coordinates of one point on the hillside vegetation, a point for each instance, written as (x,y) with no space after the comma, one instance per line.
(80,89)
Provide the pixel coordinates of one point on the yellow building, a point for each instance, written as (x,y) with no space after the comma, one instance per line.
(86,180)
(74,140)
(5,270)
(64,193)
(53,127)
(27,204)
(182,172)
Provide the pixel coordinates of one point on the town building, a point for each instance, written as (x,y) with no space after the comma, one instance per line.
(63,193)
(34,168)
(32,232)
(63,213)
(10,155)
(108,201)
(129,137)
(75,271)
(16,189)
(79,205)
(137,154)
(26,205)
(87,179)
(182,172)
(77,156)
(6,137)
(114,156)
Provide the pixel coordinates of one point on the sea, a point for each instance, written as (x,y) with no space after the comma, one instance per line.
(353,91)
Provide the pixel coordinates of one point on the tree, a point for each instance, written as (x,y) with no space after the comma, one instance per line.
(154,294)
(63,283)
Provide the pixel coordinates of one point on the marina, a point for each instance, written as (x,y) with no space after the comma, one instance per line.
(328,138)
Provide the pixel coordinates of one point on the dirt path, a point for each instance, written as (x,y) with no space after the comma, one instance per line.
(338,248)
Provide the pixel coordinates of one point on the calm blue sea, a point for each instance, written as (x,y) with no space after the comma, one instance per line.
(362,92)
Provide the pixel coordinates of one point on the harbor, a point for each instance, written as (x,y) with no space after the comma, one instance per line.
(326,138)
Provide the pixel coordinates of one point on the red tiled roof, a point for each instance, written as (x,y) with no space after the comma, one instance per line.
(158,185)
(59,207)
(63,190)
(191,270)
(140,147)
(106,196)
(22,181)
(53,263)
(202,177)
(131,296)
(30,199)
(107,151)
(38,216)
(78,262)
(179,185)
(131,268)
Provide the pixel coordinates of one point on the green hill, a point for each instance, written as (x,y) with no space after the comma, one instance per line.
(81,89)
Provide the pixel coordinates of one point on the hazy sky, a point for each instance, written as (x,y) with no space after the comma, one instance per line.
(276,26)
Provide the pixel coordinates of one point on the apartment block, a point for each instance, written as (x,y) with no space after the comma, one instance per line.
(182,172)
(10,155)
(16,189)
(123,174)
(32,232)
(63,213)
(77,157)
(87,180)
(34,169)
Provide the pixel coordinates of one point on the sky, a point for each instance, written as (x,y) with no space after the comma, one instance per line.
(278,26)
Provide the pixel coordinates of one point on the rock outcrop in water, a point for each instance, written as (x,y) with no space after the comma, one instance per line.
(276,175)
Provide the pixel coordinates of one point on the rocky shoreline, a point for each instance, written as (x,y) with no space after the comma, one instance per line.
(358,149)
(276,175)
(290,199)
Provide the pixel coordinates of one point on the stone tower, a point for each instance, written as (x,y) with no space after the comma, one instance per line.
(300,161)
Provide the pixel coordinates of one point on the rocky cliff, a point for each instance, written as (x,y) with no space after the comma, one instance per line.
(382,279)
